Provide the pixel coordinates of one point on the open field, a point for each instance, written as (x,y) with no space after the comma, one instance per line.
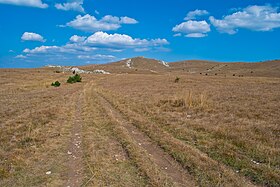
(139,129)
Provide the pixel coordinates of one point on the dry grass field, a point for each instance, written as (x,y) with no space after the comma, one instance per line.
(139,129)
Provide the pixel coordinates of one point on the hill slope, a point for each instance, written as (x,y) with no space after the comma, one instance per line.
(263,69)
(133,65)
(141,65)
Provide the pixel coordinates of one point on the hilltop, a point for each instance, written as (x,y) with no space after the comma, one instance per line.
(133,65)
(141,65)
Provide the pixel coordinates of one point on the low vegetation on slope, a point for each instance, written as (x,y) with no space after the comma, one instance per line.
(74,79)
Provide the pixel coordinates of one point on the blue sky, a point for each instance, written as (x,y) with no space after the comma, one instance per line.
(35,33)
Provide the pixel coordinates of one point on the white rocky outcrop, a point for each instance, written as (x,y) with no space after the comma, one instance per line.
(53,66)
(101,72)
(77,70)
(129,63)
(164,63)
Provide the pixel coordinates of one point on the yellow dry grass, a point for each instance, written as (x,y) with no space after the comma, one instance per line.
(223,130)
(234,121)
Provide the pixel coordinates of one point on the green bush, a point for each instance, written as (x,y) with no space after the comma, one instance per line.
(177,80)
(74,79)
(56,84)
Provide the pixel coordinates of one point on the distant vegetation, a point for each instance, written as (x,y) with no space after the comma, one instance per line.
(176,79)
(56,84)
(74,79)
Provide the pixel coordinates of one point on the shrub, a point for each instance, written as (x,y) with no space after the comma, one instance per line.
(177,80)
(56,84)
(74,79)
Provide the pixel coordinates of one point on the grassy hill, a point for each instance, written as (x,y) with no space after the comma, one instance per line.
(152,66)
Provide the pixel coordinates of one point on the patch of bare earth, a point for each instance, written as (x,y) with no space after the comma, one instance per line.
(75,150)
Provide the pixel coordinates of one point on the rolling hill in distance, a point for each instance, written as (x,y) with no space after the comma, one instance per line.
(146,65)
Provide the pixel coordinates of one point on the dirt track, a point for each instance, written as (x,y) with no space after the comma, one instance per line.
(163,169)
(75,152)
(164,161)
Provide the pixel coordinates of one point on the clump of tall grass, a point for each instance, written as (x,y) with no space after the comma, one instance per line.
(195,101)
(187,101)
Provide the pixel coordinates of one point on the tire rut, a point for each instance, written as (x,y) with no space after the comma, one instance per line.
(75,153)
(163,160)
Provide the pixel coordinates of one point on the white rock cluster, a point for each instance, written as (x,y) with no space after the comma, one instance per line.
(53,66)
(129,63)
(98,71)
(77,70)
(164,63)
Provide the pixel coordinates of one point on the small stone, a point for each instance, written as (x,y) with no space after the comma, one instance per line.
(165,168)
(48,172)
(255,162)
(69,153)
(139,144)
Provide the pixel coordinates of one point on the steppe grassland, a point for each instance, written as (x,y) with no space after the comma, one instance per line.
(221,129)
(35,127)
(235,121)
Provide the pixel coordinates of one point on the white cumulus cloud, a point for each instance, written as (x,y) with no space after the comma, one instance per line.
(195,29)
(196,13)
(30,3)
(255,18)
(196,35)
(75,5)
(67,48)
(42,49)
(21,56)
(91,24)
(121,41)
(128,20)
(96,57)
(30,36)
(83,48)
(77,39)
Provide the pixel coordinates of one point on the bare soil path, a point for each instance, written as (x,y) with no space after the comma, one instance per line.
(75,153)
(163,160)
